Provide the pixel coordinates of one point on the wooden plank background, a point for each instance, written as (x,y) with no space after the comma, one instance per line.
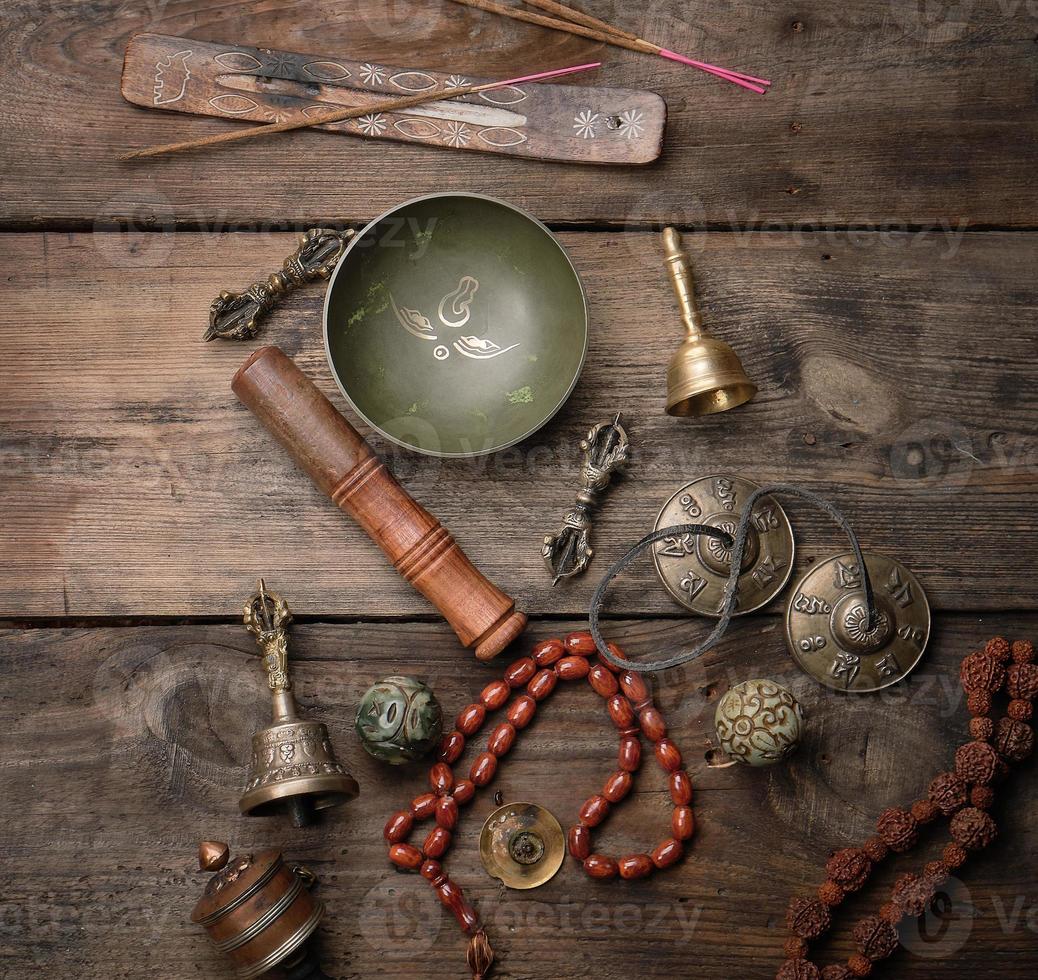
(866,237)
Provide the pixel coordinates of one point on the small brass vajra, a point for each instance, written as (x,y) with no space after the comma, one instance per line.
(236,316)
(569,552)
(522,844)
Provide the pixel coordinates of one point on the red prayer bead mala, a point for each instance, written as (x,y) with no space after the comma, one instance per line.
(963,796)
(631,709)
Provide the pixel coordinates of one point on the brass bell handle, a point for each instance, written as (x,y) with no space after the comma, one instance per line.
(679,267)
(265,615)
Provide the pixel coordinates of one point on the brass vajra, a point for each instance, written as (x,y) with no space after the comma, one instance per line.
(569,552)
(236,316)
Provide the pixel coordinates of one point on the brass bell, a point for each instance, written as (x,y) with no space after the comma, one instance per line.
(705,375)
(293,765)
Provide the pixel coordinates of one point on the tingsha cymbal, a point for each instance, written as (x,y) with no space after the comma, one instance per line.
(695,568)
(828,630)
(522,844)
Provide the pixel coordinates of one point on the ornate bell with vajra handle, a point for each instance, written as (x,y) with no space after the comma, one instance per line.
(705,375)
(293,764)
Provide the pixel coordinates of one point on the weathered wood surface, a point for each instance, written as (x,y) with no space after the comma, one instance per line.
(880,113)
(123,747)
(897,377)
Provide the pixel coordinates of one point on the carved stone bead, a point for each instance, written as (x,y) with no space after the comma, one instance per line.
(1022,681)
(898,828)
(976,762)
(837,971)
(1023,652)
(849,868)
(495,695)
(1015,740)
(758,723)
(998,648)
(521,711)
(582,644)
(807,918)
(399,720)
(973,829)
(875,938)
(602,681)
(981,672)
(600,866)
(548,652)
(948,791)
(911,894)
(798,969)
(572,668)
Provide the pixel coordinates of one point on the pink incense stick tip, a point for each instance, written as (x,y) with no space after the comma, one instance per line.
(542,75)
(751,82)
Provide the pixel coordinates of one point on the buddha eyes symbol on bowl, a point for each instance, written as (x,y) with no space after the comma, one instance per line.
(458,303)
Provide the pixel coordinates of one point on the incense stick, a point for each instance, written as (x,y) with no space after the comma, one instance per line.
(584,25)
(354,112)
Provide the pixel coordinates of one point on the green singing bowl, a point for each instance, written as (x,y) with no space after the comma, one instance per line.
(455,325)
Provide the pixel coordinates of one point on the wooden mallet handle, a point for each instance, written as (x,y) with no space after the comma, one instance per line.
(343,466)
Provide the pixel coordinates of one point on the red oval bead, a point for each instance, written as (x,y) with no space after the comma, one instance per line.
(501,739)
(581,644)
(483,768)
(447,812)
(548,652)
(451,747)
(603,682)
(543,684)
(594,811)
(405,856)
(464,791)
(572,668)
(580,842)
(466,916)
(620,710)
(431,870)
(680,788)
(520,672)
(668,755)
(668,853)
(423,806)
(398,827)
(635,866)
(652,724)
(521,711)
(441,779)
(617,786)
(630,754)
(436,842)
(495,695)
(616,652)
(634,687)
(682,823)
(470,719)
(600,866)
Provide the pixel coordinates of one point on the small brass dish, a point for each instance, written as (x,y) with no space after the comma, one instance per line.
(522,844)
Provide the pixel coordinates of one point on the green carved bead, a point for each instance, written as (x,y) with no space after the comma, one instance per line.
(399,720)
(759,723)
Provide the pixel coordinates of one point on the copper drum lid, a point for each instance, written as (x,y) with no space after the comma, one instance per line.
(258,910)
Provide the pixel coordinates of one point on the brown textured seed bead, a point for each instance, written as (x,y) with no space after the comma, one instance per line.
(682,822)
(948,792)
(651,721)
(849,868)
(981,729)
(797,968)
(973,829)
(891,913)
(925,811)
(911,894)
(447,813)
(521,711)
(1022,681)
(398,826)
(830,893)
(875,938)
(807,918)
(600,866)
(978,703)
(954,855)
(543,684)
(580,842)
(936,872)
(617,786)
(431,870)
(634,687)
(501,739)
(668,755)
(876,849)
(680,786)
(837,971)
(594,811)
(635,866)
(548,653)
(1015,740)
(441,779)
(976,762)
(520,672)
(451,747)
(981,672)
(1023,652)
(898,828)
(581,644)
(982,797)
(470,719)
(483,768)
(436,842)
(620,711)
(667,853)
(602,681)
(998,648)
(464,792)
(860,966)
(405,856)
(795,948)
(1020,710)
(423,806)
(630,754)
(572,668)
(495,695)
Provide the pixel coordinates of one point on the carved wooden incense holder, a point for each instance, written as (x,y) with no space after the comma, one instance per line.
(546,122)
(343,466)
